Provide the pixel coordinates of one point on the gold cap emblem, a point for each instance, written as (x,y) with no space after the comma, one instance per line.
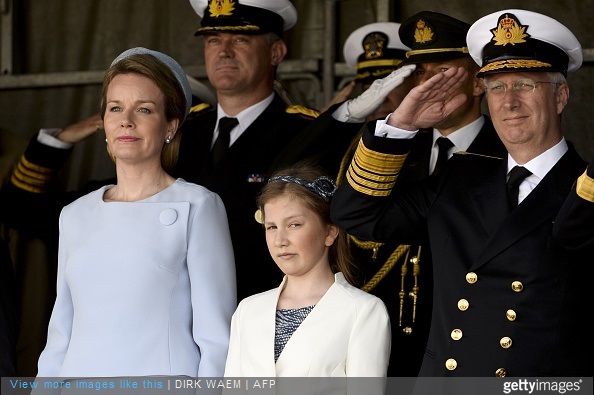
(221,7)
(423,33)
(374,44)
(509,31)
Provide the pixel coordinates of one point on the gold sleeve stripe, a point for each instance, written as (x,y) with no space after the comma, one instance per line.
(31,177)
(373,173)
(35,168)
(585,187)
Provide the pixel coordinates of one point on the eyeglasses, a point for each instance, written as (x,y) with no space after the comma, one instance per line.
(523,87)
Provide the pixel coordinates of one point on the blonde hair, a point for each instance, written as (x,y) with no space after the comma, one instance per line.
(340,258)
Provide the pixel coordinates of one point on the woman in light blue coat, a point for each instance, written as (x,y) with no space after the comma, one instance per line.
(146,276)
(316,323)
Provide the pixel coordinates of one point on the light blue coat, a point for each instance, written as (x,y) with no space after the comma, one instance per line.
(144,288)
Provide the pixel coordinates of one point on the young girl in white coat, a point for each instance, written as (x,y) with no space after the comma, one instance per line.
(316,323)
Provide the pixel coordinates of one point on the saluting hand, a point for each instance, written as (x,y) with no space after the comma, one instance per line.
(369,101)
(82,129)
(431,102)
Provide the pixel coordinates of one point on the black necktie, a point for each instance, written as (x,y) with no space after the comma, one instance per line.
(222,143)
(516,176)
(444,145)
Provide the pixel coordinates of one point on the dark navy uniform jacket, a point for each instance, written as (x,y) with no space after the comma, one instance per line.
(409,337)
(509,299)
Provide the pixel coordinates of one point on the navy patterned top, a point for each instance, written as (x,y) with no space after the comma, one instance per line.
(287,321)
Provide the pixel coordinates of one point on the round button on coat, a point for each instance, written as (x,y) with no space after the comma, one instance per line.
(471,277)
(463,304)
(168,216)
(501,372)
(505,342)
(456,334)
(517,286)
(451,364)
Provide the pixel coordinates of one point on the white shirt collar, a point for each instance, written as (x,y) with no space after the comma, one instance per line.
(463,137)
(539,167)
(245,118)
(544,162)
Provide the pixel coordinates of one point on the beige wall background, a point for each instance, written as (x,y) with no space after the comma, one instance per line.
(53,54)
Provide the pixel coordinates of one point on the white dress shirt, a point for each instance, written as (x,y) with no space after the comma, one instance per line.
(539,167)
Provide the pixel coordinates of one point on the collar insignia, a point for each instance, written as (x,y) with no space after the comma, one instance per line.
(423,33)
(221,7)
(374,44)
(509,31)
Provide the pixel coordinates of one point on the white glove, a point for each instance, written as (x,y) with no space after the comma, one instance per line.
(369,101)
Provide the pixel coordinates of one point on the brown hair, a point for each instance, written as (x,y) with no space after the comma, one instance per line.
(163,77)
(340,257)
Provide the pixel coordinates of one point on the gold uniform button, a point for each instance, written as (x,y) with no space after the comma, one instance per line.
(501,372)
(407,330)
(471,277)
(451,364)
(505,342)
(517,286)
(463,304)
(511,315)
(456,334)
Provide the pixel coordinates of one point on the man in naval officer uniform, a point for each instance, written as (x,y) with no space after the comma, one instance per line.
(399,273)
(508,298)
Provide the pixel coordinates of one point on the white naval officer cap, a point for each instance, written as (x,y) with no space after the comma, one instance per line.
(374,50)
(245,16)
(519,40)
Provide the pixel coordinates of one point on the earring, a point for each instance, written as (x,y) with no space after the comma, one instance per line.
(168,140)
(106,140)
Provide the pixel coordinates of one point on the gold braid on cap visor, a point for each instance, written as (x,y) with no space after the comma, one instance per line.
(251,28)
(435,50)
(514,64)
(378,62)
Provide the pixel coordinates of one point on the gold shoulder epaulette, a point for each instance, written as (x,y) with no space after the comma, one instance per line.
(199,108)
(474,154)
(299,109)
(585,187)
